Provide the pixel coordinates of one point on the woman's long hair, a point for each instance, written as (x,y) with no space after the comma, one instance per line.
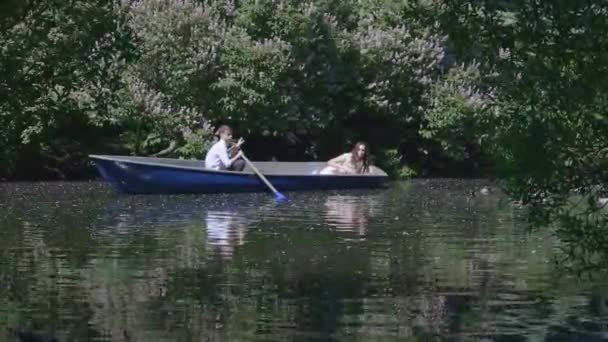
(363,161)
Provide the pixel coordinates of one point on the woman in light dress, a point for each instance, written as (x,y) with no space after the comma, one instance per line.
(354,162)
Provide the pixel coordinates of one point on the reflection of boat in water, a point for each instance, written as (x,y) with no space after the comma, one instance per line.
(224,220)
(127,219)
(147,211)
(349,213)
(226,229)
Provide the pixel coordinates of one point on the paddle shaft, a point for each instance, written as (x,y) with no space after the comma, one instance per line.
(255,169)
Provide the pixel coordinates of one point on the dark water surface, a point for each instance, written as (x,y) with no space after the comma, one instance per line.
(421,261)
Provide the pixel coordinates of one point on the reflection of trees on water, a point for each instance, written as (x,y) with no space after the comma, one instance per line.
(432,266)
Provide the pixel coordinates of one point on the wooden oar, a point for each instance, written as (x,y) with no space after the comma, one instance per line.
(279,195)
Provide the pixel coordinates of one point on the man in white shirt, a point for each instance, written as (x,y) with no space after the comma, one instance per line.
(217,157)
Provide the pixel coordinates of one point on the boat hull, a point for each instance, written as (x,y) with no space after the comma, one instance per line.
(147,177)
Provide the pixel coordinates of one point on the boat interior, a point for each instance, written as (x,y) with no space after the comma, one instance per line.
(265,167)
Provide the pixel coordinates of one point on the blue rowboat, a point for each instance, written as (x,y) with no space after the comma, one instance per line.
(144,175)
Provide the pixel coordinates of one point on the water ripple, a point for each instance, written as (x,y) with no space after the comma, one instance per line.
(422,260)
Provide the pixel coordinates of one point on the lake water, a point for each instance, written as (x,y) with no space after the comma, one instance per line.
(420,261)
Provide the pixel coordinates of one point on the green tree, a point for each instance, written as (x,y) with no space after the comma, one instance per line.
(551,78)
(58,63)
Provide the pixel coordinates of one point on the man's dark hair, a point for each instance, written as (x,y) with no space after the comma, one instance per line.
(223,129)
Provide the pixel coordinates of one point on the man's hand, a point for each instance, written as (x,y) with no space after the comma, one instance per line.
(240,142)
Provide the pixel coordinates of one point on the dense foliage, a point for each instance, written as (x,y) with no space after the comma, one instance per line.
(548,62)
(440,87)
(154,77)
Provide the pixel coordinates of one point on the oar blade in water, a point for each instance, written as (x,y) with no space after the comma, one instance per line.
(280,197)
